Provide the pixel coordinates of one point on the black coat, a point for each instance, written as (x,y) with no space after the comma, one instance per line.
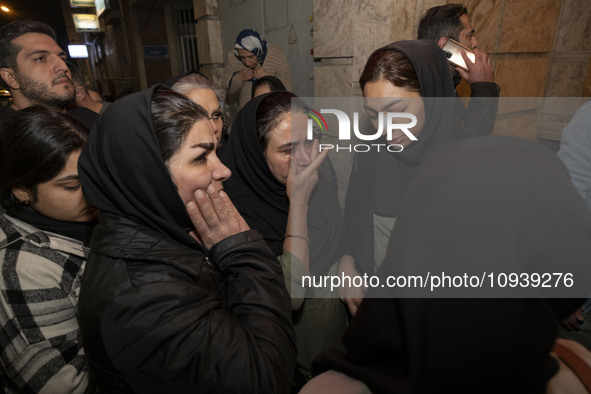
(173,320)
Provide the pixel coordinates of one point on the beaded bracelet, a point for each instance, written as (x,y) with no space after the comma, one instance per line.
(297,236)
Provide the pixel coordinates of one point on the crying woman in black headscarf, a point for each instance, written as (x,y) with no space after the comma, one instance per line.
(180,295)
(287,190)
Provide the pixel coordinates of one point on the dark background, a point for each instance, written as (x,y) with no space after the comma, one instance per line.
(48,11)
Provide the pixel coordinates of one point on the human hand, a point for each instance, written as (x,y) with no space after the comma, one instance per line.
(259,71)
(478,71)
(574,321)
(214,216)
(246,74)
(300,184)
(351,296)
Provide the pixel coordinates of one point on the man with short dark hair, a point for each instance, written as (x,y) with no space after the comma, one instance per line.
(452,21)
(33,68)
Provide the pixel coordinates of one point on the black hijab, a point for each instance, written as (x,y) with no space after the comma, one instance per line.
(379,180)
(494,204)
(122,170)
(262,200)
(395,171)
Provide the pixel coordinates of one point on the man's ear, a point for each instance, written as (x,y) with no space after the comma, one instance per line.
(7,74)
(22,195)
(80,94)
(441,42)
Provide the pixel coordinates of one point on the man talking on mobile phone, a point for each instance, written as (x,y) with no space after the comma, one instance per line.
(452,21)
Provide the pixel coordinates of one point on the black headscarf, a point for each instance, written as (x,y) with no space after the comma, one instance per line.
(81,231)
(122,170)
(435,81)
(379,180)
(262,200)
(487,203)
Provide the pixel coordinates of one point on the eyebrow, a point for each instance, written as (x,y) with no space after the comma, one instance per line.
(288,144)
(204,145)
(67,178)
(389,104)
(45,52)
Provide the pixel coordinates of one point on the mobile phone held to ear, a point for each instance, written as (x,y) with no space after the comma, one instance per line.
(453,51)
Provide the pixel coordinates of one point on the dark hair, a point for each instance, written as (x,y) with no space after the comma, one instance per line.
(173,115)
(392,66)
(35,144)
(442,21)
(272,110)
(272,82)
(8,50)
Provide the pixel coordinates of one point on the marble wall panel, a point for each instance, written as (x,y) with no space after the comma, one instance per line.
(567,77)
(524,125)
(574,29)
(529,26)
(522,77)
(333,28)
(332,81)
(209,42)
(373,29)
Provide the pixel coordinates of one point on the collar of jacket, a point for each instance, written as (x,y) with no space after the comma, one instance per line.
(13,230)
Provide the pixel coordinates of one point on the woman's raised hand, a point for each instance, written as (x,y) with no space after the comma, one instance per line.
(300,185)
(214,216)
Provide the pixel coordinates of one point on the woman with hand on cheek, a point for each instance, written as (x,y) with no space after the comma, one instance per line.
(181,296)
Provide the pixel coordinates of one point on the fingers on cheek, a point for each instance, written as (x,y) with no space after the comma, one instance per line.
(196,217)
(192,210)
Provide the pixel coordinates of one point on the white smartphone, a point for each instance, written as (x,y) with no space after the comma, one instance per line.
(453,51)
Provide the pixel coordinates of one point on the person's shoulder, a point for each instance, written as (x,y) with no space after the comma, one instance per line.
(83,115)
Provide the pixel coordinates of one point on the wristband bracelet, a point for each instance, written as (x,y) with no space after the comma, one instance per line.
(297,236)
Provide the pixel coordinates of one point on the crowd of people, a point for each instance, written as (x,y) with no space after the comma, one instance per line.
(154,244)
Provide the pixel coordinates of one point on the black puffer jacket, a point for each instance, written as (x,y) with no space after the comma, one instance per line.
(174,320)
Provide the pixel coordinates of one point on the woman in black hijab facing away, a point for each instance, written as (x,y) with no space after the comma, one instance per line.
(180,296)
(287,191)
(406,76)
(490,204)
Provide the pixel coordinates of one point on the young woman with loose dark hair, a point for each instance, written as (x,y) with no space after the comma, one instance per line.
(180,296)
(45,228)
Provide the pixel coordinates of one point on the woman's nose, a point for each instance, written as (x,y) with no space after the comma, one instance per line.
(220,171)
(303,156)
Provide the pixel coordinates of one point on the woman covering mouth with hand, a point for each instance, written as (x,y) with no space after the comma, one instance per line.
(180,295)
